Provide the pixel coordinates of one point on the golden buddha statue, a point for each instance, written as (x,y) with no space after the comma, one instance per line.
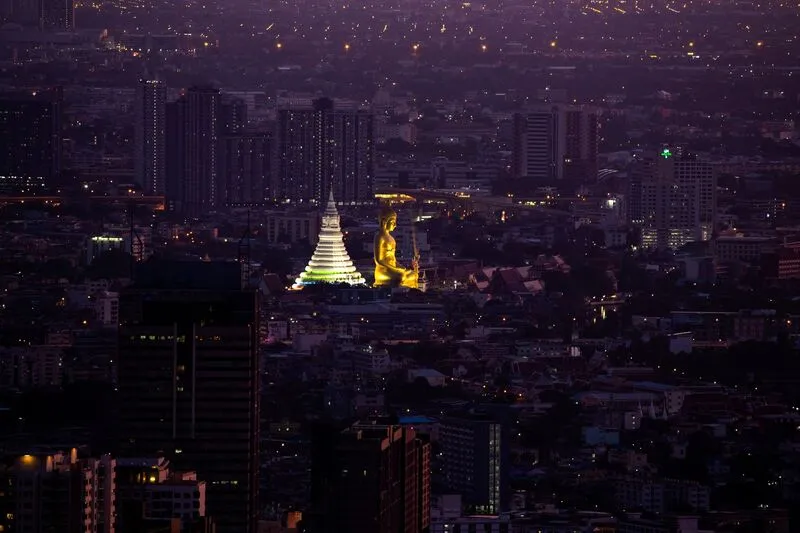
(387,272)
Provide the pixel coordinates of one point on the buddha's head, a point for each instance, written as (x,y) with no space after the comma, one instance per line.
(387,219)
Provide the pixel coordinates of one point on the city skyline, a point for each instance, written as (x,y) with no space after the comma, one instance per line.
(399,267)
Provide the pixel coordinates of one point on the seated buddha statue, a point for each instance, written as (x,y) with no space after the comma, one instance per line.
(387,272)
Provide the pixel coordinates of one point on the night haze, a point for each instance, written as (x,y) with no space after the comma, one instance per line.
(402,266)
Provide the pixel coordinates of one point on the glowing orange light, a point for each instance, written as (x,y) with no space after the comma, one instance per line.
(279,45)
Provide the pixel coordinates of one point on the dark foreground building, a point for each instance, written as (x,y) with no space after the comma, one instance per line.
(188,380)
(370,478)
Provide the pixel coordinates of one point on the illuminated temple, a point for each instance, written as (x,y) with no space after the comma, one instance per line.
(330,263)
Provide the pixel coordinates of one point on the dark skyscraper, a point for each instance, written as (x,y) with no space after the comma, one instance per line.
(245,168)
(323,145)
(555,142)
(188,380)
(370,478)
(193,130)
(30,142)
(150,129)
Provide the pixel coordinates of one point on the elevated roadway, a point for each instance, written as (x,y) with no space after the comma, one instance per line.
(155,201)
(472,200)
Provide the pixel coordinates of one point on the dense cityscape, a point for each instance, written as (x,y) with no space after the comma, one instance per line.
(418,266)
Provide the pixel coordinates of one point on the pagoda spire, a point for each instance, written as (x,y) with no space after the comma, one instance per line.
(330,262)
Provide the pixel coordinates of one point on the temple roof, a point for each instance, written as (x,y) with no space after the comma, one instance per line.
(330,262)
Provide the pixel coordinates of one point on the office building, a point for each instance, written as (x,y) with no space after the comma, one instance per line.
(150,123)
(673,199)
(555,142)
(474,460)
(370,478)
(30,142)
(193,130)
(323,145)
(188,380)
(245,168)
(59,492)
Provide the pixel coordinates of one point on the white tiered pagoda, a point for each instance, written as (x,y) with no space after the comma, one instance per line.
(330,263)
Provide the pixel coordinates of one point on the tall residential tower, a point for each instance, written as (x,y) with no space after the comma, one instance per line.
(150,124)
(555,142)
(320,146)
(193,129)
(673,199)
(30,141)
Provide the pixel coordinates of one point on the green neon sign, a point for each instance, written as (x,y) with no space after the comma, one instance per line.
(666,153)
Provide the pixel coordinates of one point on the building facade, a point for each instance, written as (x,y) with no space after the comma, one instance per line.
(30,142)
(188,380)
(245,168)
(193,128)
(60,492)
(555,142)
(321,146)
(676,199)
(474,460)
(57,15)
(150,124)
(371,478)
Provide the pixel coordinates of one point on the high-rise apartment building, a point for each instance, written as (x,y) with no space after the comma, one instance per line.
(245,168)
(474,460)
(200,125)
(150,125)
(193,130)
(188,380)
(57,14)
(26,13)
(30,141)
(234,115)
(555,142)
(370,478)
(672,198)
(52,15)
(59,492)
(323,145)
